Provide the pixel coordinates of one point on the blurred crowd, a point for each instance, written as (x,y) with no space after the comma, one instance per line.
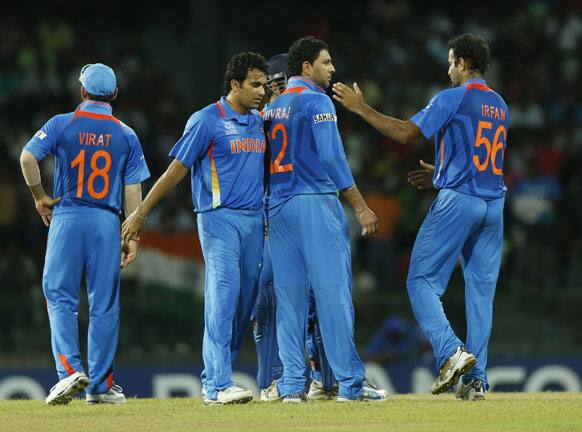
(397,53)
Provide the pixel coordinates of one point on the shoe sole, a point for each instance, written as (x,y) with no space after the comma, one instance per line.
(242,400)
(67,394)
(471,361)
(95,402)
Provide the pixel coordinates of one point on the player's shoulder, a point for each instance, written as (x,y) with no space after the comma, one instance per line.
(315,99)
(450,94)
(256,114)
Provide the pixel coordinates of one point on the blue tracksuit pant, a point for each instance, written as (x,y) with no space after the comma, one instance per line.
(309,245)
(232,245)
(465,226)
(84,240)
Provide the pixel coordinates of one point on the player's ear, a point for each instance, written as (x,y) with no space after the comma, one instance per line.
(84,95)
(115,94)
(234,85)
(307,68)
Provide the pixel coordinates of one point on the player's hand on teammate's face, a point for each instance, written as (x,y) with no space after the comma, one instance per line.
(131,227)
(128,252)
(369,222)
(351,99)
(44,207)
(422,179)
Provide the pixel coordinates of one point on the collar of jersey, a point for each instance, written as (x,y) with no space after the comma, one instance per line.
(96,107)
(474,80)
(299,81)
(230,114)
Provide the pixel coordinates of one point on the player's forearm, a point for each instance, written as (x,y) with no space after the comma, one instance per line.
(355,199)
(398,130)
(31,174)
(167,182)
(132,197)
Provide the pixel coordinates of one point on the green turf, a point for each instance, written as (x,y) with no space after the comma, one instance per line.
(500,412)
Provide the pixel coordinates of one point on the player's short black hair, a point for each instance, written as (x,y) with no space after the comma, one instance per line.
(239,66)
(305,49)
(473,49)
(104,98)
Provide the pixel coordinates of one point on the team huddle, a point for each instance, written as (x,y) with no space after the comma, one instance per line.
(266,189)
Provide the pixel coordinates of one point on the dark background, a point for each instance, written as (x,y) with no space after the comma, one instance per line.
(170,57)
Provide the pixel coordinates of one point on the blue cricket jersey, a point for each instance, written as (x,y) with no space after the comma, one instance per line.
(95,154)
(307,154)
(225,152)
(470,124)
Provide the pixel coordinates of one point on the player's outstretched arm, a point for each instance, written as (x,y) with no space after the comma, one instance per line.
(44,204)
(365,216)
(133,224)
(132,199)
(422,179)
(403,131)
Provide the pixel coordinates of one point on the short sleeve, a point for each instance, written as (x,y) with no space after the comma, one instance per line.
(436,114)
(44,141)
(136,169)
(321,115)
(195,141)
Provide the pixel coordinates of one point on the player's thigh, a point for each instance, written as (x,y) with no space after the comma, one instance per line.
(450,221)
(284,245)
(64,261)
(326,241)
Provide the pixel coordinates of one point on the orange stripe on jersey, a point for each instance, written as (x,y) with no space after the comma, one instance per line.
(96,116)
(214,176)
(294,90)
(221,112)
(66,364)
(110,380)
(478,86)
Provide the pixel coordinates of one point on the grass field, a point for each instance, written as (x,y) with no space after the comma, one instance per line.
(500,412)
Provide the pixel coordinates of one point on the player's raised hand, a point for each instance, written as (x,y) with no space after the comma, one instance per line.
(131,228)
(369,222)
(44,206)
(351,99)
(128,252)
(422,179)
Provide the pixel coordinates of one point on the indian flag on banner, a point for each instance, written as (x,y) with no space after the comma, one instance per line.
(171,260)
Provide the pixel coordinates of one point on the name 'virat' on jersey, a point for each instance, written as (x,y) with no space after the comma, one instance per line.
(95,154)
(225,151)
(470,125)
(307,155)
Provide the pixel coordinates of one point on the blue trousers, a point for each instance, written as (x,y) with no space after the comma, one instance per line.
(270,366)
(84,240)
(309,245)
(465,226)
(232,245)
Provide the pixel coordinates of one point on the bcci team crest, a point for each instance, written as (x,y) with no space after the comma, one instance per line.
(229,127)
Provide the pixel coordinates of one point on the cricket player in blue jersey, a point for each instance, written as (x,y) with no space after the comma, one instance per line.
(270,368)
(223,145)
(469,123)
(308,231)
(96,157)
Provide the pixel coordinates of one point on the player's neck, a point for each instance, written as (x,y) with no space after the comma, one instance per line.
(236,105)
(470,75)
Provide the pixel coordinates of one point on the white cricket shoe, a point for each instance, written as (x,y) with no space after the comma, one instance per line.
(318,392)
(459,363)
(113,396)
(370,393)
(271,393)
(230,395)
(472,391)
(298,397)
(62,392)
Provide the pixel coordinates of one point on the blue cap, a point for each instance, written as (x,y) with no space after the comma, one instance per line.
(98,79)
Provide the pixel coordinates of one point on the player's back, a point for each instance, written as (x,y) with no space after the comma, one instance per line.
(298,160)
(471,146)
(91,149)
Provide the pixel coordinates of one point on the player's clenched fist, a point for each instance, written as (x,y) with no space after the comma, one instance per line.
(369,222)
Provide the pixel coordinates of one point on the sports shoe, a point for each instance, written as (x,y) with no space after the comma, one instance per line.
(370,393)
(471,391)
(113,396)
(459,363)
(298,397)
(230,395)
(318,392)
(62,392)
(271,393)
